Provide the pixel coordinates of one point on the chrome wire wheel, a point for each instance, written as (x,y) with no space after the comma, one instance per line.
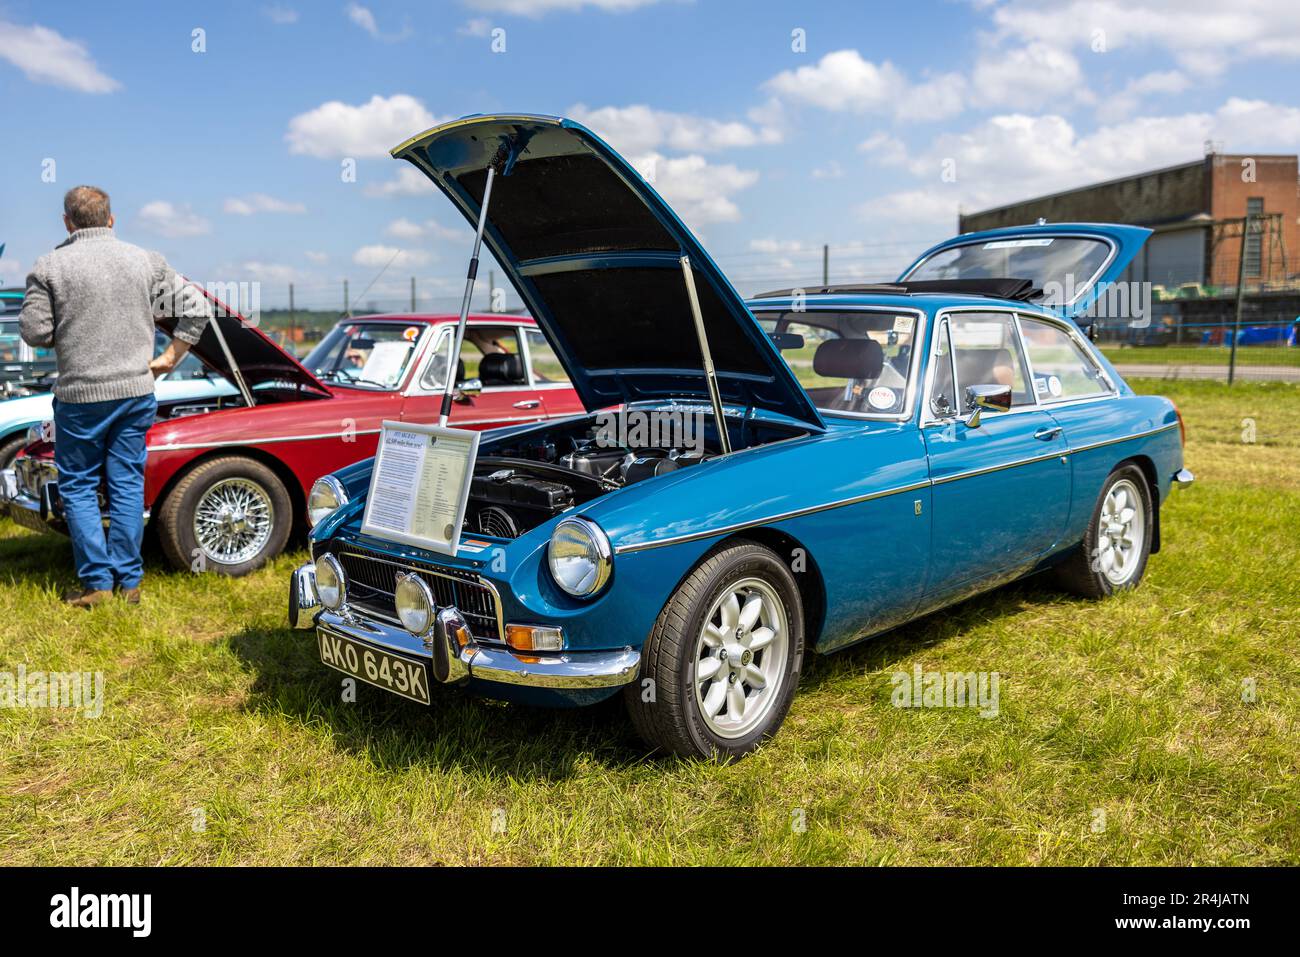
(740,658)
(1121,530)
(233,521)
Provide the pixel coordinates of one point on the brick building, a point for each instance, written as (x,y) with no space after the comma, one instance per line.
(1196,211)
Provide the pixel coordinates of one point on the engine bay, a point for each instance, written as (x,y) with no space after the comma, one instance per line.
(522,482)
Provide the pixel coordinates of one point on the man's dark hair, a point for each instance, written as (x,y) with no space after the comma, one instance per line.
(86,207)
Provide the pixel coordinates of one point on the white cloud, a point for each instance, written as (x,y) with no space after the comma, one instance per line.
(928,208)
(46,56)
(1026,78)
(260,203)
(1117,106)
(1016,156)
(475,27)
(832,170)
(403,228)
(842,81)
(409,181)
(888,150)
(639,129)
(172,220)
(363,18)
(378,256)
(700,192)
(280,14)
(538,8)
(1203,35)
(316,257)
(337,129)
(268,272)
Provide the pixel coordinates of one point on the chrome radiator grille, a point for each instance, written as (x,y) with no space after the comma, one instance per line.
(372,580)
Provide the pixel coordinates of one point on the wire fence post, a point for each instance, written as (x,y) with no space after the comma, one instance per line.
(412,294)
(347,308)
(292,320)
(826,265)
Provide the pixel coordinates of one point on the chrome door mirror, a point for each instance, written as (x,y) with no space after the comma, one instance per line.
(469,389)
(995,398)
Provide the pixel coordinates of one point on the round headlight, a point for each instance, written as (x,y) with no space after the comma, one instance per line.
(415,605)
(580,557)
(331,586)
(326,495)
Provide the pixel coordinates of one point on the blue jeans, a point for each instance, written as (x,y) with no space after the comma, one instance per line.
(104,440)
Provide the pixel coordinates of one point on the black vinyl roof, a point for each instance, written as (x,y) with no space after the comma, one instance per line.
(1021,290)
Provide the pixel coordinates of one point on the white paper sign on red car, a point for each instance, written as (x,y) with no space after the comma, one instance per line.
(419,486)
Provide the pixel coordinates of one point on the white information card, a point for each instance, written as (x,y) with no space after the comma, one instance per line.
(419,486)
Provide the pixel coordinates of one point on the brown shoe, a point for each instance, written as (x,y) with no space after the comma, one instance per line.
(86,597)
(130,595)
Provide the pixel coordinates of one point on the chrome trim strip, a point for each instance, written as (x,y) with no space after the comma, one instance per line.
(799,513)
(1183,478)
(781,517)
(272,440)
(971,473)
(1124,438)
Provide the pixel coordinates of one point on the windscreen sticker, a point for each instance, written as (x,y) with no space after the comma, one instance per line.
(881,397)
(1054,385)
(904,323)
(1015,243)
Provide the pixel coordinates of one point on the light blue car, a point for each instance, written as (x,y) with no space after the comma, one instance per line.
(189,382)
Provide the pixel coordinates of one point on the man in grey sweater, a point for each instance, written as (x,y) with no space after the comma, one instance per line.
(96,300)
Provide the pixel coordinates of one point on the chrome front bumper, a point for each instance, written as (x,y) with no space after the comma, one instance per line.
(452,661)
(1184,478)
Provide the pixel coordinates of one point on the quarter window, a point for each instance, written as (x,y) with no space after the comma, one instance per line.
(547,369)
(1062,369)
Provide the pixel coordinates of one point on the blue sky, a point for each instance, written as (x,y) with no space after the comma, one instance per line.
(867,130)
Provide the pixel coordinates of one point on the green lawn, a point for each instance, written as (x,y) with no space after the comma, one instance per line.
(1203,355)
(1122,738)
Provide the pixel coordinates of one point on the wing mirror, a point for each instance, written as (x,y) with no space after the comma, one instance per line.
(469,389)
(995,398)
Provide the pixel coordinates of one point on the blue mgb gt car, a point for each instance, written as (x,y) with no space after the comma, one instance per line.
(754,482)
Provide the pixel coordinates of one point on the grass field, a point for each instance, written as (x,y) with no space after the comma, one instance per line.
(1127,732)
(1203,355)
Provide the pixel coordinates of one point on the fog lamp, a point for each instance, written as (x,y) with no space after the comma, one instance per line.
(415,604)
(331,584)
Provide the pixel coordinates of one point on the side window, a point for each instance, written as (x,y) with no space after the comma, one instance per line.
(546,364)
(489,353)
(1062,369)
(986,351)
(943,398)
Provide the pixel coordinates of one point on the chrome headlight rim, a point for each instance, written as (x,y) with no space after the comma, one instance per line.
(330,563)
(603,556)
(426,595)
(334,488)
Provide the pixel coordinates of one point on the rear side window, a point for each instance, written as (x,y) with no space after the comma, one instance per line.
(986,351)
(1062,369)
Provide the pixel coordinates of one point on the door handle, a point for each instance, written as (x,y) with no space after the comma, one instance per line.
(528,403)
(1050,432)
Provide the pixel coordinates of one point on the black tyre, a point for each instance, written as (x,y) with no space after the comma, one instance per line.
(229,515)
(9,448)
(721,665)
(1113,554)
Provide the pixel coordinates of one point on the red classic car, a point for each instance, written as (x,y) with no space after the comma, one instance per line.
(227,480)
